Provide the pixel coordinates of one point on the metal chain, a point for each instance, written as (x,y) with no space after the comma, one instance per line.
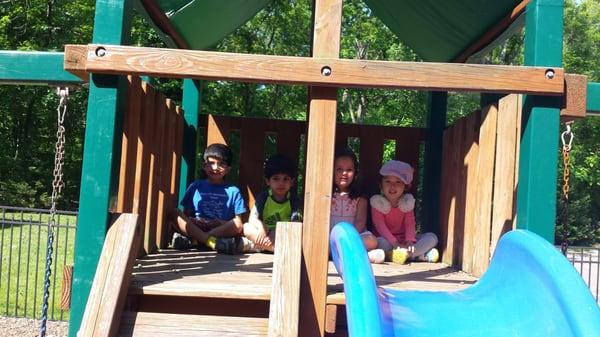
(57,185)
(567,141)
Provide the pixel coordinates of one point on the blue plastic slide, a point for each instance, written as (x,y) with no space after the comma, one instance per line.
(529,290)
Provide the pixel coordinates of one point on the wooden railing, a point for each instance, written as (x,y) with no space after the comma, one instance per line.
(150,160)
(248,137)
(479,180)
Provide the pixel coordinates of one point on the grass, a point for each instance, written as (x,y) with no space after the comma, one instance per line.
(23,247)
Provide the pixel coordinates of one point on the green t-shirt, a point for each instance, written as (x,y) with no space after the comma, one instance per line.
(275,211)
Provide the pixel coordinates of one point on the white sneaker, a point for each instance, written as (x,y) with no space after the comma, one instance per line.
(376,256)
(432,256)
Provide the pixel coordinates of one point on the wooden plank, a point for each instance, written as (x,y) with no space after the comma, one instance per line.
(65,297)
(142,324)
(74,60)
(446,231)
(320,144)
(288,141)
(107,295)
(487,151)
(142,173)
(152,200)
(317,201)
(252,157)
(165,162)
(575,100)
(285,290)
(517,157)
(217,130)
(129,147)
(471,164)
(461,192)
(407,150)
(504,175)
(331,316)
(429,76)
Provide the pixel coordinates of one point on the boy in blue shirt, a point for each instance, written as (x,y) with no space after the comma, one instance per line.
(276,203)
(212,208)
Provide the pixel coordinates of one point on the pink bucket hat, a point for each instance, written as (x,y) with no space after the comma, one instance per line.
(398,169)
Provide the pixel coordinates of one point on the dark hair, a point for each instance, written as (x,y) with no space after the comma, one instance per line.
(280,163)
(219,151)
(355,186)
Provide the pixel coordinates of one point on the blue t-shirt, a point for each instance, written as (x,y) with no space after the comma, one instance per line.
(210,201)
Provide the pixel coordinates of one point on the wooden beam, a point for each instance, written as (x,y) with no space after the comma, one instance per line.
(320,140)
(173,63)
(574,105)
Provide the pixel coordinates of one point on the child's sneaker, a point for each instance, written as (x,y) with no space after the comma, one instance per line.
(432,256)
(400,255)
(376,256)
(230,246)
(180,242)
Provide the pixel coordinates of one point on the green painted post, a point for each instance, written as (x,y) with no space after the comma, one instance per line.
(593,98)
(432,174)
(536,194)
(191,108)
(101,151)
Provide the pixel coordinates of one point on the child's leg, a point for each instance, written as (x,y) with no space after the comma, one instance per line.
(186,226)
(253,230)
(425,243)
(369,240)
(382,243)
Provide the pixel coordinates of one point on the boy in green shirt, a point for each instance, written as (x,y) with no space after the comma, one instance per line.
(275,204)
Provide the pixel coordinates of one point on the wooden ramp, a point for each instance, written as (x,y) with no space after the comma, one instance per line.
(193,293)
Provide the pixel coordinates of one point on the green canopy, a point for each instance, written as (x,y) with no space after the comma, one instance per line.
(436,30)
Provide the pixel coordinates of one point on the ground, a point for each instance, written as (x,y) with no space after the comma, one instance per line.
(25,327)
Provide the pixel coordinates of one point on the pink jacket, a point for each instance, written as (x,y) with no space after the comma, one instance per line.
(396,226)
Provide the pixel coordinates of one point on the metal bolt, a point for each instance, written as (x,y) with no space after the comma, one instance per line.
(549,74)
(100,51)
(326,71)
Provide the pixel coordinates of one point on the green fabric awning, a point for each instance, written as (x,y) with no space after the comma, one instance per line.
(436,30)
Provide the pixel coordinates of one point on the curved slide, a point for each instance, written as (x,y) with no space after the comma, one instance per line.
(530,289)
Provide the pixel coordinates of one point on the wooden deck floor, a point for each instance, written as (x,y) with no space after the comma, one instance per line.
(207,274)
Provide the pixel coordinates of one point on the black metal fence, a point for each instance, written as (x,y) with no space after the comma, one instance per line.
(23,244)
(23,234)
(586,261)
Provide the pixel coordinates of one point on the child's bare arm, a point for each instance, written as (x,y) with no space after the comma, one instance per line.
(360,219)
(224,228)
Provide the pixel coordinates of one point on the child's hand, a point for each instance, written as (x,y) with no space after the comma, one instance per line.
(410,246)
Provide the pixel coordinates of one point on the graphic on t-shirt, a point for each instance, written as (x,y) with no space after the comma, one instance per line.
(213,205)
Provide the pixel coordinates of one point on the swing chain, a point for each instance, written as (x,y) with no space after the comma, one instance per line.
(567,140)
(57,185)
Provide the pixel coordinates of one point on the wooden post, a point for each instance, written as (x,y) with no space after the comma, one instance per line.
(319,174)
(191,109)
(436,122)
(536,194)
(102,133)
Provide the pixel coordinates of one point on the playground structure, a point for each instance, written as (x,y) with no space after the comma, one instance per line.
(513,135)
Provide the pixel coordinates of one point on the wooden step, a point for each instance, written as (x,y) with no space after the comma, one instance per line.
(196,273)
(138,324)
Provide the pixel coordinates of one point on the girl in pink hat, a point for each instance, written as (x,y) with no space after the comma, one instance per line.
(393,217)
(348,202)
